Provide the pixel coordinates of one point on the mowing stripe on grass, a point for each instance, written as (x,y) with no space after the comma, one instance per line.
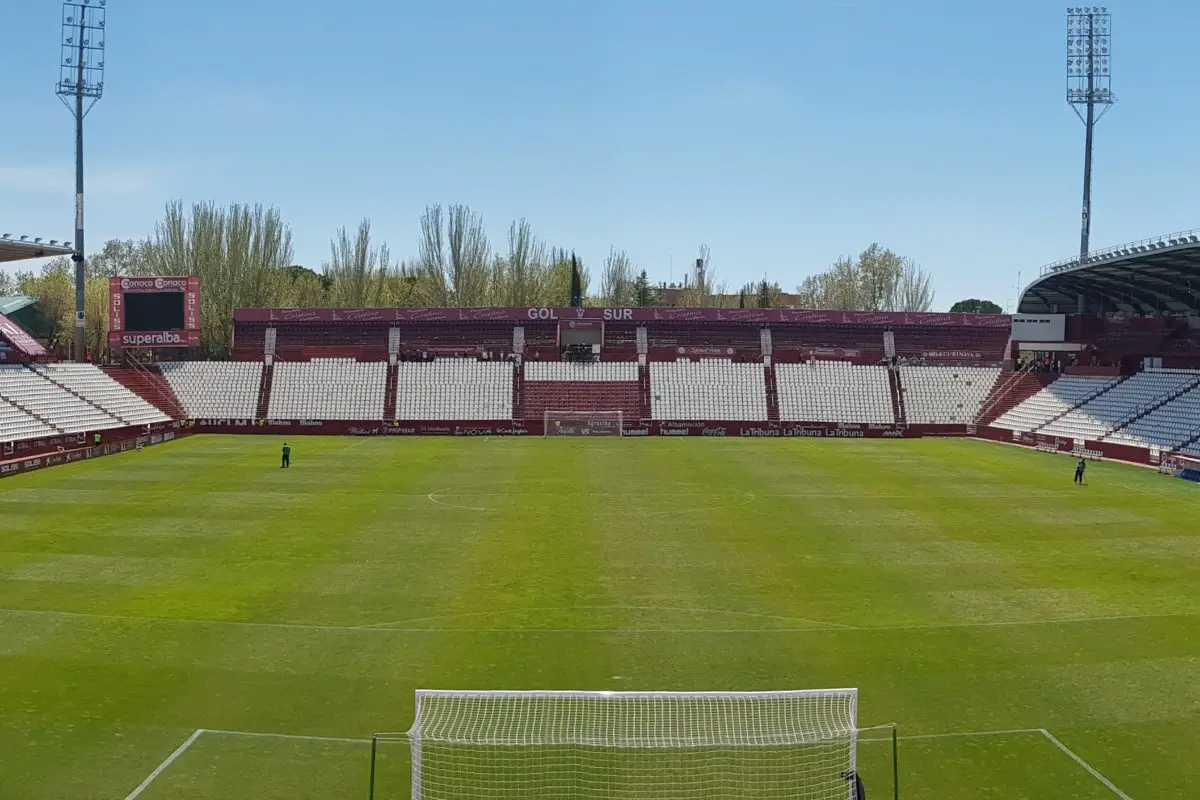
(828,627)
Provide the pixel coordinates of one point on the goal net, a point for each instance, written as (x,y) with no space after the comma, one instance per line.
(584,423)
(660,745)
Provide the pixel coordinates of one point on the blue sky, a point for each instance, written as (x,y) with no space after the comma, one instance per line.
(781,134)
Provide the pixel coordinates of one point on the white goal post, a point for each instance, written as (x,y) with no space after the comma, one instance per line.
(487,745)
(584,423)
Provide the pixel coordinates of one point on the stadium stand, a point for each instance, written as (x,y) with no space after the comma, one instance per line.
(589,386)
(100,390)
(59,408)
(1012,389)
(328,388)
(454,389)
(714,389)
(148,384)
(215,389)
(833,391)
(1168,426)
(1052,402)
(984,345)
(16,424)
(945,395)
(1101,415)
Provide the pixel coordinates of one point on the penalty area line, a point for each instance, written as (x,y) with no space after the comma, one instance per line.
(1095,773)
(167,762)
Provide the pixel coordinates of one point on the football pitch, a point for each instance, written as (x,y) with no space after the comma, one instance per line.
(191,621)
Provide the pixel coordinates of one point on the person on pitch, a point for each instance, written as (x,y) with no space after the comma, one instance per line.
(287,457)
(1081,472)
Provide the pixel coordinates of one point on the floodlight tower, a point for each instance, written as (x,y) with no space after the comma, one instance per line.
(80,86)
(1089,85)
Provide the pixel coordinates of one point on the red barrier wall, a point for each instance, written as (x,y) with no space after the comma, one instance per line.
(1061,444)
(831,430)
(119,440)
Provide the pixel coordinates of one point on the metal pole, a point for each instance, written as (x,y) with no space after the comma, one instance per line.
(80,257)
(1085,230)
(895,764)
(374,748)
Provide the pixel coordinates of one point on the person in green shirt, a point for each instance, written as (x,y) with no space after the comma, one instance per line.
(287,456)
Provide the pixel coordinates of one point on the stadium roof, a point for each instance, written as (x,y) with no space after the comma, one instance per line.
(18,302)
(1151,276)
(21,248)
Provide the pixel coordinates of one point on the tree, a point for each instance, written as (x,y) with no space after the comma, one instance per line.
(240,253)
(523,276)
(877,280)
(455,262)
(617,280)
(644,294)
(54,291)
(121,257)
(8,284)
(559,289)
(768,294)
(576,284)
(357,270)
(975,307)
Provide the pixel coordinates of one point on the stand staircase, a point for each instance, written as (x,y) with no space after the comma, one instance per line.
(772,393)
(644,390)
(1010,391)
(897,395)
(148,383)
(518,398)
(264,392)
(390,392)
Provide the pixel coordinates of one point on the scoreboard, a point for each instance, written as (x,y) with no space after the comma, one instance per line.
(153,312)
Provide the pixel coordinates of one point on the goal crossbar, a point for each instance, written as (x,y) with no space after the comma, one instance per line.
(638,720)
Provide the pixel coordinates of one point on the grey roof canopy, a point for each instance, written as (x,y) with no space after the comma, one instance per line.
(1151,276)
(18,249)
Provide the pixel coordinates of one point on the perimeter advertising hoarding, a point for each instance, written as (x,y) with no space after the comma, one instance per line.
(154,312)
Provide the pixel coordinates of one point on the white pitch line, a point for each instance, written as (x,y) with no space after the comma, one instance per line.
(963,735)
(667,609)
(1095,773)
(827,627)
(196,734)
(297,736)
(433,497)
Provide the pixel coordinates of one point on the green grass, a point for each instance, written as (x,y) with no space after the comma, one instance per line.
(962,586)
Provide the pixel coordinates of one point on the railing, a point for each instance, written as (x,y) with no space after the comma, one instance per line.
(1130,248)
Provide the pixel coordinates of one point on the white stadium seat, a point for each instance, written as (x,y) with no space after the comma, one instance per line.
(834,391)
(328,388)
(1052,401)
(715,389)
(945,395)
(64,411)
(215,389)
(99,389)
(454,388)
